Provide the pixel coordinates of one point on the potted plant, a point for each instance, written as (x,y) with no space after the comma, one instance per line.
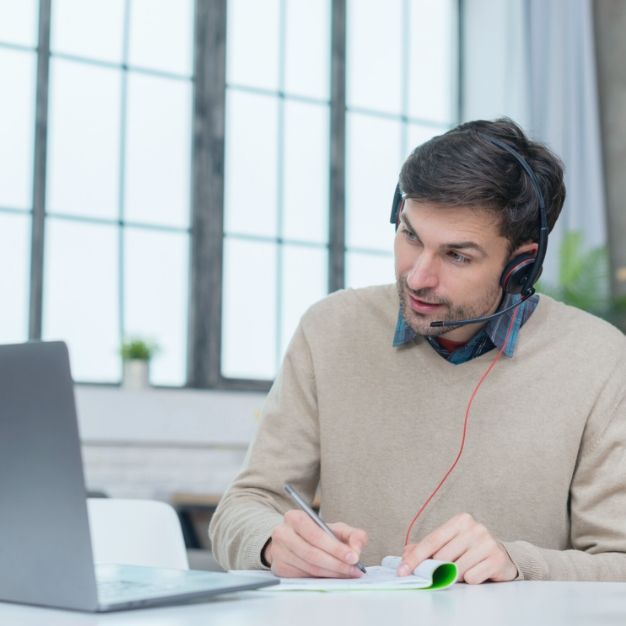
(136,355)
(584,281)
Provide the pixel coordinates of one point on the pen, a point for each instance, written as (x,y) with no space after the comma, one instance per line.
(298,500)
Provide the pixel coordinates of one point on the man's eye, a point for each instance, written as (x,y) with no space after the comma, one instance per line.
(455,257)
(411,236)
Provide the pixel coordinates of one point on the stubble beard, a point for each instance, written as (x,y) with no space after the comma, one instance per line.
(420,322)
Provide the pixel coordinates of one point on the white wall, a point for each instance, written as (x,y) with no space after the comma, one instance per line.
(158,442)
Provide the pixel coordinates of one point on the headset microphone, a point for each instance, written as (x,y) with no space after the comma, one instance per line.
(485,318)
(520,273)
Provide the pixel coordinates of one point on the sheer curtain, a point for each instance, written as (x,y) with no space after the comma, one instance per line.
(535,62)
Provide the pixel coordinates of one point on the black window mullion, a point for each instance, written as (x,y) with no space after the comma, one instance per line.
(406,76)
(336,204)
(280,153)
(121,312)
(39,172)
(460,62)
(207,193)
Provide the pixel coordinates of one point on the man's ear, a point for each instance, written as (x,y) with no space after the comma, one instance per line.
(528,248)
(518,268)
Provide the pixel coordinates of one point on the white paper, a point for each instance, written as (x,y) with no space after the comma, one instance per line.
(378,577)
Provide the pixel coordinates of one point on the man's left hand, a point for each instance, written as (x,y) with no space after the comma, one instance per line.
(462,540)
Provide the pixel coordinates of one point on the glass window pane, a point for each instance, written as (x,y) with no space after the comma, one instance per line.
(305,174)
(18,22)
(155,298)
(304,281)
(252,43)
(14,253)
(307,53)
(161,35)
(17,121)
(374,50)
(93,29)
(158,151)
(83,144)
(251,163)
(81,296)
(432,53)
(363,270)
(249,310)
(372,169)
(417,134)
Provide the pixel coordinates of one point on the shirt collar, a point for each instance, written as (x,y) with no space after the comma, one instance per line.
(496,329)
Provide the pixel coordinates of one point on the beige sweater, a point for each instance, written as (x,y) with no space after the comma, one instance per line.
(376,427)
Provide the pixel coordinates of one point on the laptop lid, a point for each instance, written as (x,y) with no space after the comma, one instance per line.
(46,555)
(45,547)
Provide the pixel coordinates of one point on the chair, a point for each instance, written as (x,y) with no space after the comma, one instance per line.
(136,532)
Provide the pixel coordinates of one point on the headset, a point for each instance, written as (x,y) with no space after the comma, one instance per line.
(520,273)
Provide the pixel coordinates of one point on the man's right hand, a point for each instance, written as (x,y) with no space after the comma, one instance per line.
(300,548)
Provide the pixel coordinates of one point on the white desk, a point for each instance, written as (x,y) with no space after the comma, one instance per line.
(506,604)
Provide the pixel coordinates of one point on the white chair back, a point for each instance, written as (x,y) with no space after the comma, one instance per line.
(136,532)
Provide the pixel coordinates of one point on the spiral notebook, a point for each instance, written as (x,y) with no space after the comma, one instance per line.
(430,574)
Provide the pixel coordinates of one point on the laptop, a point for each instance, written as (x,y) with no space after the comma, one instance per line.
(45,547)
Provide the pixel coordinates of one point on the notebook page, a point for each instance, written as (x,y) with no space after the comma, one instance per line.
(430,574)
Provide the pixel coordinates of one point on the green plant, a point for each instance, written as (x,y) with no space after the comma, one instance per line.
(139,349)
(584,281)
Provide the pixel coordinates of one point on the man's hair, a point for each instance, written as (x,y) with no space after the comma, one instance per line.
(463,168)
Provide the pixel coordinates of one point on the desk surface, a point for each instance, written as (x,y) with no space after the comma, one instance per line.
(513,604)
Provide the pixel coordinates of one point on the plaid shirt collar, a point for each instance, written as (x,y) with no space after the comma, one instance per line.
(489,336)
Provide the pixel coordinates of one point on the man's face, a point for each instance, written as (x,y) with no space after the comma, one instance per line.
(448,265)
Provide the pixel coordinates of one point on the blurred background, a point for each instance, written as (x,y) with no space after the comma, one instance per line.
(194,174)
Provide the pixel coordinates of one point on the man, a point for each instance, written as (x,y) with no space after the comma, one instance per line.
(514,466)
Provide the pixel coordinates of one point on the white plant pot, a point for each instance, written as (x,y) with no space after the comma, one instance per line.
(136,374)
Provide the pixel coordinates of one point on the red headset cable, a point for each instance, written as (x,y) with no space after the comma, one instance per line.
(465,425)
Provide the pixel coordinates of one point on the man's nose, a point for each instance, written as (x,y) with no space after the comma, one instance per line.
(423,274)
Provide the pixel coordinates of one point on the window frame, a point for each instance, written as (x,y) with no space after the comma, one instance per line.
(204,338)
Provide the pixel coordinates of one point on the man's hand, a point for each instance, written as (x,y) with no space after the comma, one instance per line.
(300,548)
(478,556)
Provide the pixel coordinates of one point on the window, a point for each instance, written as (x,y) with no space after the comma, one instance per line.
(18,41)
(117,198)
(276,177)
(194,172)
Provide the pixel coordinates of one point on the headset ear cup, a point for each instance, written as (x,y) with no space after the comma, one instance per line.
(516,273)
